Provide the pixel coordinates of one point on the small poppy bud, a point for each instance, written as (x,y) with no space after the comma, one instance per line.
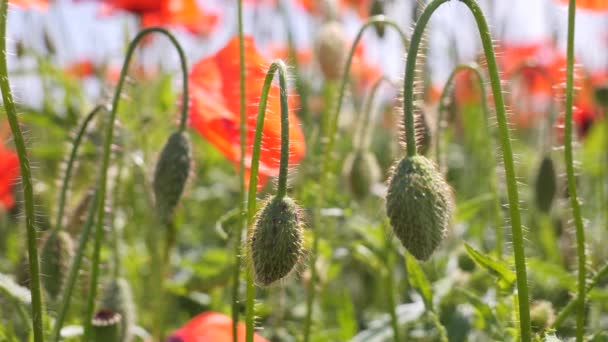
(55,258)
(542,315)
(171,174)
(331,50)
(419,205)
(601,95)
(465,262)
(49,44)
(361,171)
(378,9)
(117,297)
(106,326)
(276,241)
(20,49)
(546,184)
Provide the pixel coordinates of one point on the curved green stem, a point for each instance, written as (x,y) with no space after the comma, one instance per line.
(325,163)
(70,165)
(574,303)
(501,117)
(26,181)
(574,203)
(443,100)
(109,137)
(73,272)
(281,68)
(362,129)
(243,143)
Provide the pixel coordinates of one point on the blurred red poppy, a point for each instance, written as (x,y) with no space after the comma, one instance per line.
(184,13)
(363,72)
(81,69)
(138,7)
(591,5)
(214,112)
(210,327)
(9,171)
(40,5)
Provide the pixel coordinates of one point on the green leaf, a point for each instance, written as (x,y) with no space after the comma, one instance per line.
(551,274)
(470,208)
(419,281)
(497,268)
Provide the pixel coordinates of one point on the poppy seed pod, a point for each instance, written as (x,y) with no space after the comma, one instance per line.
(171,174)
(419,205)
(545,184)
(117,297)
(276,241)
(55,258)
(106,326)
(361,171)
(331,50)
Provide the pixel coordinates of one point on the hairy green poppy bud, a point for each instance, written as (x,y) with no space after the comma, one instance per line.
(465,262)
(331,50)
(419,205)
(55,258)
(546,185)
(117,297)
(276,241)
(601,95)
(106,326)
(362,171)
(542,315)
(171,174)
(378,9)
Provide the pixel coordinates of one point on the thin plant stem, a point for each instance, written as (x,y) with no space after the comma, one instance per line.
(362,129)
(73,271)
(574,203)
(503,130)
(243,145)
(325,164)
(443,100)
(26,182)
(573,304)
(281,68)
(109,137)
(65,185)
(390,288)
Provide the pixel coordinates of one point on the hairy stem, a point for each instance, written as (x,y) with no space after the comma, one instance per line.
(26,181)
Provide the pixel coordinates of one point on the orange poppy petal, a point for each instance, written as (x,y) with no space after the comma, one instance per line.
(210,327)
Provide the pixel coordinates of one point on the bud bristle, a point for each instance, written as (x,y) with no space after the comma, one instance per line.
(276,243)
(419,205)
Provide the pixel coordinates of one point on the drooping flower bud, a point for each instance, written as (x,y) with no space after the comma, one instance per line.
(117,297)
(171,174)
(276,242)
(377,8)
(331,50)
(361,170)
(106,326)
(55,258)
(545,184)
(419,205)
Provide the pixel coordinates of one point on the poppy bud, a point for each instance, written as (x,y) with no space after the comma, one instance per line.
(542,315)
(419,205)
(19,49)
(546,184)
(361,171)
(106,326)
(378,9)
(601,95)
(276,241)
(171,174)
(331,50)
(465,262)
(117,297)
(49,45)
(55,258)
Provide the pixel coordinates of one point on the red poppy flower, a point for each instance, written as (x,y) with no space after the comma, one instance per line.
(40,5)
(591,5)
(363,72)
(279,51)
(214,112)
(361,7)
(210,327)
(184,13)
(138,7)
(9,171)
(81,69)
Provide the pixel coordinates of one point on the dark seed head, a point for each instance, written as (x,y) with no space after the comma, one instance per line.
(276,242)
(419,205)
(545,185)
(171,174)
